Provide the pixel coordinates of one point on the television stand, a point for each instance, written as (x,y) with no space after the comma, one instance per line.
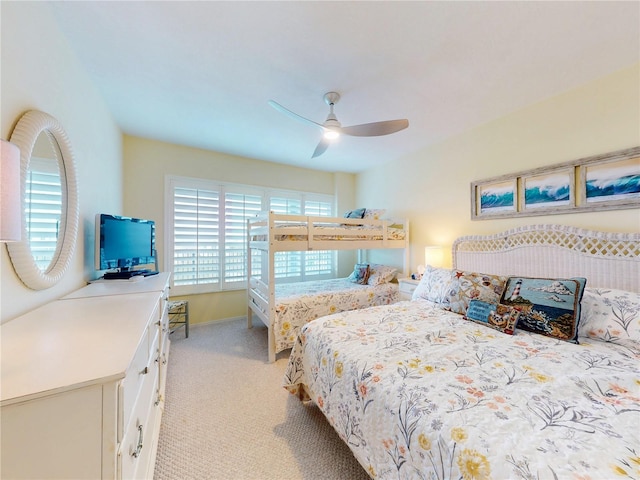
(123,275)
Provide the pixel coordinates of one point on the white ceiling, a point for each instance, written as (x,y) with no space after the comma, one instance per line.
(201,73)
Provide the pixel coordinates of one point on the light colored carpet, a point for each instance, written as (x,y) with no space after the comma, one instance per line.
(227,416)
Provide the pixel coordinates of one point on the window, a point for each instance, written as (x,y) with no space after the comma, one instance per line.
(206,243)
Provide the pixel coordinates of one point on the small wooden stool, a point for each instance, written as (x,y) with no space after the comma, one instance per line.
(179,316)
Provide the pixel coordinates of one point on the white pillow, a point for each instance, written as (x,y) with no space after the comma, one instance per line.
(435,286)
(379,274)
(611,315)
(374,213)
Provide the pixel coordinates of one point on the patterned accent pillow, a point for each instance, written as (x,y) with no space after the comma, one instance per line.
(467,286)
(549,306)
(379,274)
(358,213)
(435,286)
(360,274)
(495,315)
(374,213)
(612,316)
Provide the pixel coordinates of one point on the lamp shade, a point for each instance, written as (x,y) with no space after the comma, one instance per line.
(433,256)
(10,201)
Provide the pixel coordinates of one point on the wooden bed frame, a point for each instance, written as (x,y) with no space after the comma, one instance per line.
(265,232)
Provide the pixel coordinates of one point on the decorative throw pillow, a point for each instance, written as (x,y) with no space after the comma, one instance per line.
(435,286)
(358,213)
(467,286)
(360,274)
(611,315)
(374,213)
(379,274)
(549,306)
(494,315)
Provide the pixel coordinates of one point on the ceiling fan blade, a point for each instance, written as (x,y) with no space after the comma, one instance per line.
(376,129)
(293,115)
(322,147)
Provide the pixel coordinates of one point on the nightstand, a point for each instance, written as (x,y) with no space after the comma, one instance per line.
(407,286)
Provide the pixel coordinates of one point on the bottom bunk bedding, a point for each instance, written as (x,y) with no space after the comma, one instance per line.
(417,392)
(299,303)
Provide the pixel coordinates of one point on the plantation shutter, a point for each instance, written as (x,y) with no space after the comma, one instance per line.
(196,250)
(206,244)
(238,208)
(287,264)
(319,263)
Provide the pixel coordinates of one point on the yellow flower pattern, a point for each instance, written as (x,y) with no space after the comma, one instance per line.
(473,465)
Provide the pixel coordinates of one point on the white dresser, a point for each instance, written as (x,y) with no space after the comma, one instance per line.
(83,382)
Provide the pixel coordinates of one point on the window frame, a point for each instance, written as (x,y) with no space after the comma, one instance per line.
(223,285)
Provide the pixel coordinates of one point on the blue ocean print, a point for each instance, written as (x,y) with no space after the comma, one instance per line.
(627,186)
(546,194)
(496,200)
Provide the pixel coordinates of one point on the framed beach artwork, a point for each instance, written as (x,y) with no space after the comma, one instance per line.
(548,190)
(609,181)
(495,198)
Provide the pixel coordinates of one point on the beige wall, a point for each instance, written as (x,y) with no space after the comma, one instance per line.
(148,162)
(41,72)
(433,188)
(433,191)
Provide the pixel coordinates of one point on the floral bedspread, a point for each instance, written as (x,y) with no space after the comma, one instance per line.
(299,303)
(420,393)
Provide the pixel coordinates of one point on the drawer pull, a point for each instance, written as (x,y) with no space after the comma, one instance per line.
(138,449)
(144,371)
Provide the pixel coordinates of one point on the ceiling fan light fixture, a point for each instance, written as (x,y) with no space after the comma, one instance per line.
(332,128)
(331,134)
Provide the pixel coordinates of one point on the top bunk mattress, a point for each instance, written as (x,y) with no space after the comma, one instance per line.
(333,232)
(269,226)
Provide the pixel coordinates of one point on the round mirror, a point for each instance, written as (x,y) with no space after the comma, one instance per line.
(49,201)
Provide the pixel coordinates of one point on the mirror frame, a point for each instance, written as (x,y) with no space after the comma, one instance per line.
(24,135)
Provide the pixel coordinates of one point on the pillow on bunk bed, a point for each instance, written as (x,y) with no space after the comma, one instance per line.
(468,286)
(379,274)
(611,315)
(495,315)
(360,274)
(358,213)
(374,213)
(549,306)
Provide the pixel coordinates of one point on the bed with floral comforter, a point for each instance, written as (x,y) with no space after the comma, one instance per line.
(299,303)
(418,392)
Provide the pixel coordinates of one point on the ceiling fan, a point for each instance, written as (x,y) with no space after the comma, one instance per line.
(333,129)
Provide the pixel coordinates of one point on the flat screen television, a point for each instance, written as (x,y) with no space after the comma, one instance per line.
(123,243)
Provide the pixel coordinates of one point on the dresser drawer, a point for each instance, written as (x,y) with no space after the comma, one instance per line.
(138,440)
(142,366)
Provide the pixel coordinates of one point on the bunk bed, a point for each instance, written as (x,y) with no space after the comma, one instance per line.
(418,389)
(269,233)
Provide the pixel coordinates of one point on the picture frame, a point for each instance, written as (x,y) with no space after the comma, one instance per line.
(610,181)
(549,190)
(495,198)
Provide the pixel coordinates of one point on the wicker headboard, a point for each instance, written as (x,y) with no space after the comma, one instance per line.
(607,260)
